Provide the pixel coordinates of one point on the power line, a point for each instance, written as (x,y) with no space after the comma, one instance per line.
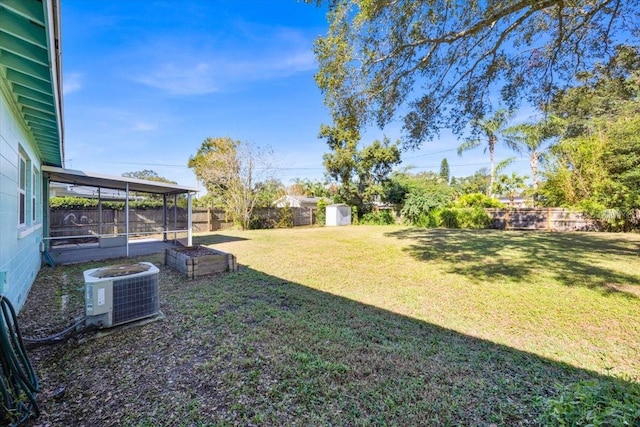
(187,167)
(300,169)
(465,164)
(315,168)
(429,154)
(146,164)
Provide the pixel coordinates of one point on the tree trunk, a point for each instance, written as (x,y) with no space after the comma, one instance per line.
(492,177)
(534,172)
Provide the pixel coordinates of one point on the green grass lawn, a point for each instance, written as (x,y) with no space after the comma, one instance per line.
(573,298)
(355,326)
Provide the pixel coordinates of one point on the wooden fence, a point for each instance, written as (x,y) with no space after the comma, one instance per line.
(548,219)
(267,217)
(270,217)
(86,221)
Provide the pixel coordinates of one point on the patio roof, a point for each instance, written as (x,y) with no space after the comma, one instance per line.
(93,179)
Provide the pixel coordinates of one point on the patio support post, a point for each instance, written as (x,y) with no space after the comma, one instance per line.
(175,218)
(126,217)
(46,208)
(164,217)
(189,221)
(100,231)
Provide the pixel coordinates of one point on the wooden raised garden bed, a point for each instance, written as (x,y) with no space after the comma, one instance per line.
(196,261)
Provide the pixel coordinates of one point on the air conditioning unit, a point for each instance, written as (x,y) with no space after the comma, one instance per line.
(120,294)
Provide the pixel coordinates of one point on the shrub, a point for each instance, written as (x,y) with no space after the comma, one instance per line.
(70,202)
(321,214)
(384,217)
(142,204)
(604,218)
(431,219)
(477,200)
(423,210)
(285,217)
(258,222)
(591,209)
(449,217)
(354,215)
(475,218)
(594,403)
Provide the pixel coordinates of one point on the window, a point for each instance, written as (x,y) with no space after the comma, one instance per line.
(34,192)
(22,190)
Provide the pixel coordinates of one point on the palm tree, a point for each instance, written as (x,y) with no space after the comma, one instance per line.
(530,138)
(491,128)
(511,185)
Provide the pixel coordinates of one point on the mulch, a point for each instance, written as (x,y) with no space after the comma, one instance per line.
(143,374)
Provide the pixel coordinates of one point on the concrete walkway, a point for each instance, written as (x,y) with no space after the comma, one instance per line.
(83,252)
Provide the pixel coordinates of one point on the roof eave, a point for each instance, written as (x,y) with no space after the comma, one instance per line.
(30,63)
(53,13)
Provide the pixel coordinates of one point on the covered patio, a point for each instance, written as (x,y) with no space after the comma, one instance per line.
(100,243)
(84,252)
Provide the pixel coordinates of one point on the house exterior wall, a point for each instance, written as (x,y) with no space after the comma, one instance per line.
(20,257)
(297,202)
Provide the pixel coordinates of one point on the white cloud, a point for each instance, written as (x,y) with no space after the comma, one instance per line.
(184,79)
(195,66)
(141,126)
(301,61)
(72,82)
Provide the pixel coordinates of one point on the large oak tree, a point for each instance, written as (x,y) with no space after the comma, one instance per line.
(443,63)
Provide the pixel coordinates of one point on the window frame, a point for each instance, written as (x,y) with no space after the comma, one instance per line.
(22,190)
(35,173)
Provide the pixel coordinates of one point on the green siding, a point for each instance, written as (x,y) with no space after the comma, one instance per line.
(20,257)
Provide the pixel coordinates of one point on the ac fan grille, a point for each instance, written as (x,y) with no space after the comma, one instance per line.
(135,298)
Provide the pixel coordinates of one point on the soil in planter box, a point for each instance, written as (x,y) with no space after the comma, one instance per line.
(196,251)
(196,261)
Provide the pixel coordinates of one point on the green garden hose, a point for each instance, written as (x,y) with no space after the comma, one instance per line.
(18,380)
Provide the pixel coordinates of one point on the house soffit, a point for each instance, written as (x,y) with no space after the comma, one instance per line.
(29,68)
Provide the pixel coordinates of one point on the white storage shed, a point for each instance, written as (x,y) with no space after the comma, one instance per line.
(338,214)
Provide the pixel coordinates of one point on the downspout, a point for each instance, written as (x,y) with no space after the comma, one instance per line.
(46,217)
(54,37)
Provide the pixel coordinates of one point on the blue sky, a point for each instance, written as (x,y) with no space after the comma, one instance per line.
(145,82)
